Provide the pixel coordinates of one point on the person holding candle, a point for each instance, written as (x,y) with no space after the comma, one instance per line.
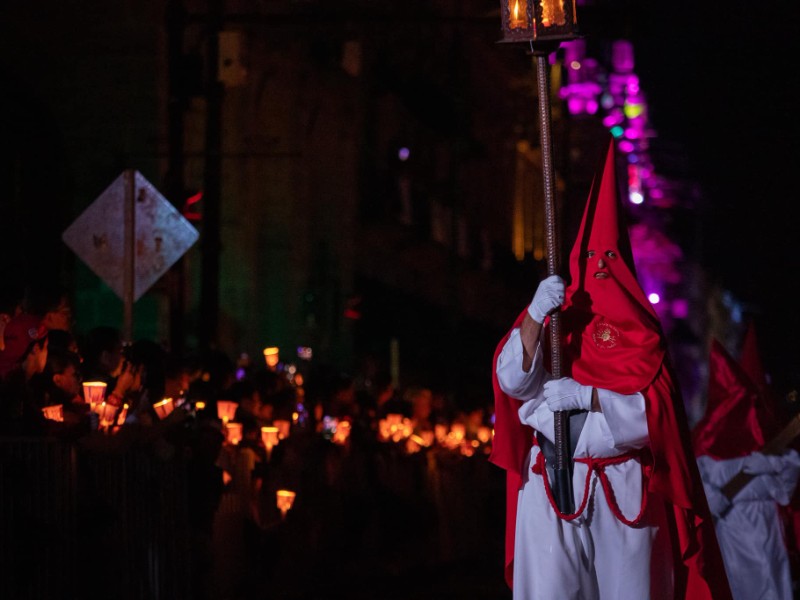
(60,384)
(641,527)
(19,412)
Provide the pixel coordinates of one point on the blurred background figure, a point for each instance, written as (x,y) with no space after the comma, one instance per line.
(747,475)
(102,355)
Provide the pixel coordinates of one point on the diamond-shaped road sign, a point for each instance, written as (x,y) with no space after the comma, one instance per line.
(162,235)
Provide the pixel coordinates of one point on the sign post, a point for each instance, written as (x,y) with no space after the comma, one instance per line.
(130,236)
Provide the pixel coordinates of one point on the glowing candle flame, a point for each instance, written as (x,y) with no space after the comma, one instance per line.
(234,433)
(54,413)
(284,500)
(283,428)
(164,408)
(272,356)
(226,410)
(270,439)
(94,392)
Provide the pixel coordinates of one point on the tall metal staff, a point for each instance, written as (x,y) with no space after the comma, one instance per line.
(541,25)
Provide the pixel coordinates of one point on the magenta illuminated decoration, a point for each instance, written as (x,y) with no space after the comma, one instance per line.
(582,90)
(614,92)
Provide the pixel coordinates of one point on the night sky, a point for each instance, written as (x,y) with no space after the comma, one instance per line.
(720,82)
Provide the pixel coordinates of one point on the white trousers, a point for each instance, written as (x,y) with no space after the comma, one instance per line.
(596,556)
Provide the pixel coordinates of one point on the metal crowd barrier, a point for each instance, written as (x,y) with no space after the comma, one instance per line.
(85,523)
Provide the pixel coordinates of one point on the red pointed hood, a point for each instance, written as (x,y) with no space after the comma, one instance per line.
(735,422)
(612,334)
(750,359)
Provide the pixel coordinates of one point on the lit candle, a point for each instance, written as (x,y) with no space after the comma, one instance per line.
(122,415)
(107,412)
(269,437)
(341,433)
(384,429)
(234,432)
(54,413)
(284,500)
(517,15)
(164,408)
(484,434)
(94,392)
(272,356)
(226,410)
(283,426)
(553,13)
(427,438)
(394,419)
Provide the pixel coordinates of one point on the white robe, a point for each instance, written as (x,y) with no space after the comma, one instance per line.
(595,556)
(749,529)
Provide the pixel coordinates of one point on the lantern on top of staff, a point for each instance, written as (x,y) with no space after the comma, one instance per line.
(532,21)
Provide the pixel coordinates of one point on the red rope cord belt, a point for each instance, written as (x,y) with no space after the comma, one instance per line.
(598,465)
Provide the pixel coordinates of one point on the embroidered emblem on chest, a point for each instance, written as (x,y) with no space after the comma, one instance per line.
(605,335)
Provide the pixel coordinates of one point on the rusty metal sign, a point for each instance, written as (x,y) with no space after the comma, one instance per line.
(161,235)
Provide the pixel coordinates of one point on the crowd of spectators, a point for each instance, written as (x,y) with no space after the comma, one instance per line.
(383,477)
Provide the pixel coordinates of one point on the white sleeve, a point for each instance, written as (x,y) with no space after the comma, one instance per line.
(512,379)
(625,419)
(718,473)
(760,488)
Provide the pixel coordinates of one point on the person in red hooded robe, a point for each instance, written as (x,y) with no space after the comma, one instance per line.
(779,411)
(728,441)
(641,526)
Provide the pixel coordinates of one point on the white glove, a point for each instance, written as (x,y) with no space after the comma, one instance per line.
(548,297)
(567,394)
(758,463)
